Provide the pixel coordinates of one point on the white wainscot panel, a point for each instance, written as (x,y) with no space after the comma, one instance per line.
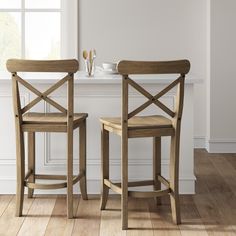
(7,139)
(97,101)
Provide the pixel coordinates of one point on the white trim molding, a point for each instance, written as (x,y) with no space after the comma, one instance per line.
(215,145)
(221,145)
(199,142)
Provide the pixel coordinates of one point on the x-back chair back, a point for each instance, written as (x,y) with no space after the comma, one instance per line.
(132,126)
(67,66)
(63,121)
(126,68)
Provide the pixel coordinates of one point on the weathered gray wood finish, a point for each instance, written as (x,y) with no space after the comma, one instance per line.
(129,125)
(64,121)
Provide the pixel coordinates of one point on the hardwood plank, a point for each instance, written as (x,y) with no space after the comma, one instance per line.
(4,202)
(9,224)
(232,159)
(58,223)
(201,164)
(161,219)
(88,218)
(226,201)
(192,224)
(211,211)
(208,209)
(226,171)
(110,219)
(139,218)
(38,216)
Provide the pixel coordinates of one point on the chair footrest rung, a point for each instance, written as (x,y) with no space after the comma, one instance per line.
(76,178)
(113,186)
(137,183)
(116,187)
(163,181)
(148,194)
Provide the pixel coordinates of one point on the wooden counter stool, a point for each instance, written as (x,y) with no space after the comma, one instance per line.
(64,121)
(129,125)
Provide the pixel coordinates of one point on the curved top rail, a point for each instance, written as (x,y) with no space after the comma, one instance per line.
(153,67)
(18,65)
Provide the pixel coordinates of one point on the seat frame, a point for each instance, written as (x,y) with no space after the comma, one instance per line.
(125,68)
(28,180)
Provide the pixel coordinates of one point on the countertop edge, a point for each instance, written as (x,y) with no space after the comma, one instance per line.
(81,78)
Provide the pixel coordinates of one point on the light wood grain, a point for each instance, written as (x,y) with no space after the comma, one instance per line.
(59,224)
(192,223)
(45,94)
(38,216)
(88,218)
(211,211)
(161,220)
(214,199)
(129,125)
(139,218)
(20,151)
(82,159)
(31,161)
(110,219)
(4,202)
(17,65)
(139,122)
(31,122)
(9,224)
(156,166)
(148,67)
(51,118)
(151,98)
(70,107)
(40,95)
(105,166)
(124,154)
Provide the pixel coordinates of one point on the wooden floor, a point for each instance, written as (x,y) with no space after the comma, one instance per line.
(212,211)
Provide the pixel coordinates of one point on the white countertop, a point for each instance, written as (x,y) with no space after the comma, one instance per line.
(99,78)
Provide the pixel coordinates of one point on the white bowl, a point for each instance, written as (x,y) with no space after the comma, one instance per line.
(109,66)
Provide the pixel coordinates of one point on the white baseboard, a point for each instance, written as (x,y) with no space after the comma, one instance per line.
(215,145)
(221,146)
(199,142)
(186,185)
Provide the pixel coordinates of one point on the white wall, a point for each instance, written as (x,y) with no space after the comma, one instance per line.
(149,30)
(221,131)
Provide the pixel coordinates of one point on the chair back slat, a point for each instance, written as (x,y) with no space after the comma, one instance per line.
(153,67)
(17,65)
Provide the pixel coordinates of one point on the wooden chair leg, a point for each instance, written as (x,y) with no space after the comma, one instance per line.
(124,182)
(157,166)
(70,172)
(105,166)
(82,160)
(174,179)
(20,162)
(31,160)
